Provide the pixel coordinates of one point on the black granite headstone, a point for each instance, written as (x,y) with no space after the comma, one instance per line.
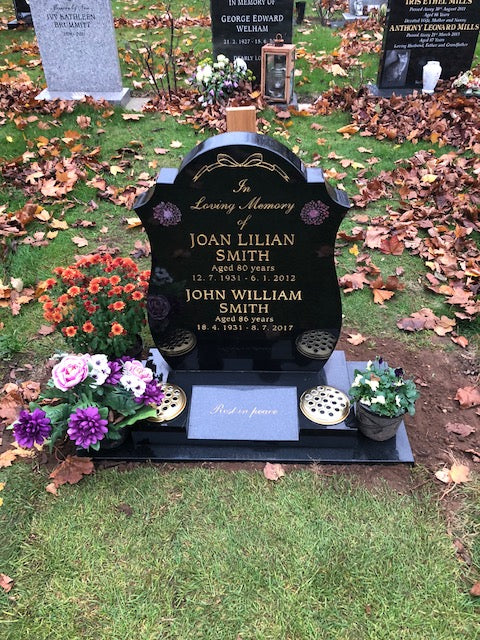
(244,304)
(417,31)
(241,27)
(243,267)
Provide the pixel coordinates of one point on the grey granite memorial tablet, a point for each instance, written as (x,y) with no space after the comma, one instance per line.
(78,50)
(243,413)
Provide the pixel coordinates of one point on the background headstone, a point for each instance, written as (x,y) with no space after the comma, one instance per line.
(241,27)
(22,14)
(365,5)
(78,49)
(417,31)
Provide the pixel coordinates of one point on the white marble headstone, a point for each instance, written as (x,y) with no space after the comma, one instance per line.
(78,49)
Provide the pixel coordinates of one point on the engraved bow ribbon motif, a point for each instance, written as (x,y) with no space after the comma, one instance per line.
(253,160)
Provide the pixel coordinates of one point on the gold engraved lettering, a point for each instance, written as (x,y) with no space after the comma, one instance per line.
(204,240)
(242,187)
(242,255)
(205,294)
(256,204)
(265,294)
(203,205)
(245,307)
(266,240)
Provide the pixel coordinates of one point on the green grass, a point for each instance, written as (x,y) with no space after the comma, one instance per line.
(215,555)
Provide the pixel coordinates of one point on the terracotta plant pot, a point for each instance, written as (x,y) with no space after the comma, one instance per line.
(374,426)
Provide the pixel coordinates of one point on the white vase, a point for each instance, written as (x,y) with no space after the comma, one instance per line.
(431,75)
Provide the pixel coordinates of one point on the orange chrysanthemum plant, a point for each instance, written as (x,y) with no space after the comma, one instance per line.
(98,303)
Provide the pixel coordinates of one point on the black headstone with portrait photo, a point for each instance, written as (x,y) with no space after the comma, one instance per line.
(418,31)
(244,305)
(241,27)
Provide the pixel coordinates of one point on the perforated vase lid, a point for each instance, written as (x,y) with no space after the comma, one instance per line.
(325,405)
(315,344)
(172,405)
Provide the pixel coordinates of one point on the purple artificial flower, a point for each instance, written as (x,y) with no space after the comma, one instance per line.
(116,367)
(314,212)
(31,428)
(399,372)
(153,394)
(167,214)
(380,361)
(86,427)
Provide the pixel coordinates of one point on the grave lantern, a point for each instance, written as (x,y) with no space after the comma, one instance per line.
(278,66)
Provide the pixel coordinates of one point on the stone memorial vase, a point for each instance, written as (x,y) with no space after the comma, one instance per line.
(431,75)
(374,426)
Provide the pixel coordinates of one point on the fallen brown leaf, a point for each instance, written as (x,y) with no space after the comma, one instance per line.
(71,470)
(468,397)
(459,473)
(6,583)
(6,458)
(459,428)
(273,471)
(355,338)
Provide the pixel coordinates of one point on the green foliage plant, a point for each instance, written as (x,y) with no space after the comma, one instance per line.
(384,390)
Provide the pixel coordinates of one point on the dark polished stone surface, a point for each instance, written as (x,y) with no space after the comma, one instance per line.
(239,30)
(242,239)
(417,32)
(341,443)
(22,13)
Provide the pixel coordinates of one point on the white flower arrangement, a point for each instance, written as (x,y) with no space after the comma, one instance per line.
(468,83)
(217,81)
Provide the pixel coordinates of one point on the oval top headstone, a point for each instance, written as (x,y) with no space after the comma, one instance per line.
(243,273)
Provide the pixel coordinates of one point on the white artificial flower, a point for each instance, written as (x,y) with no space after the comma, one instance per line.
(98,376)
(99,369)
(358,380)
(373,384)
(134,384)
(398,401)
(369,365)
(99,361)
(378,400)
(199,76)
(365,401)
(222,59)
(240,64)
(207,72)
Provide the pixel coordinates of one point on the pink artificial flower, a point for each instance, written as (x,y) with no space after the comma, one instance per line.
(70,371)
(135,368)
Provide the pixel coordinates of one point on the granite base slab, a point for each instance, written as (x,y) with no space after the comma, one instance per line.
(351,17)
(119,98)
(339,443)
(17,24)
(376,91)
